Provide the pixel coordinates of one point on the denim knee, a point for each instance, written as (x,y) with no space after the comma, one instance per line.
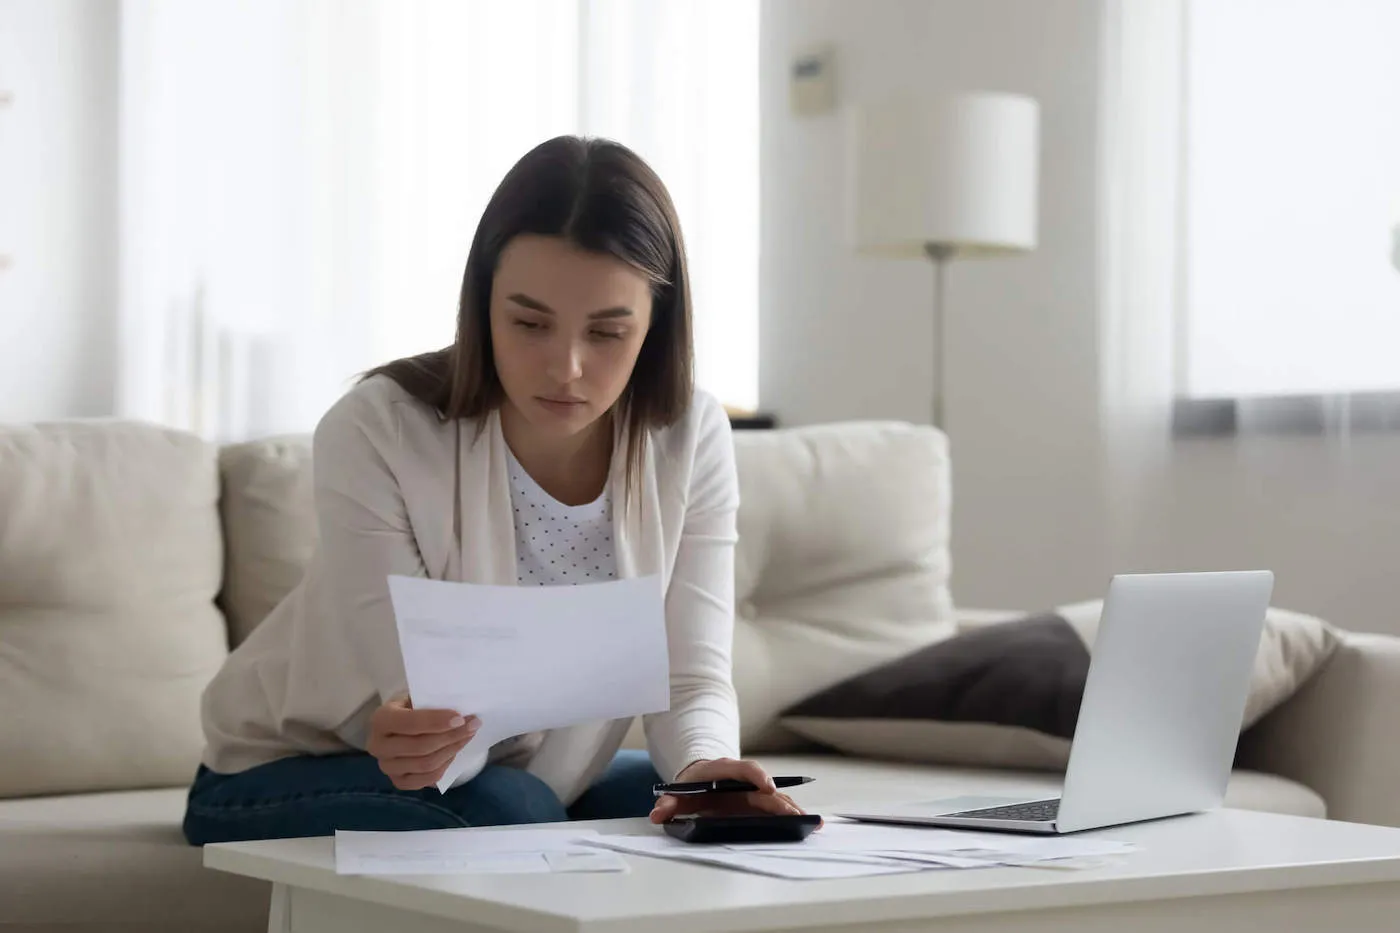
(624,790)
(503,796)
(306,796)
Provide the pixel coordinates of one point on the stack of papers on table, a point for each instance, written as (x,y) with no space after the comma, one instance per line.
(839,850)
(850,850)
(470,851)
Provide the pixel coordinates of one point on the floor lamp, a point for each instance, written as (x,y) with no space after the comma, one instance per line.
(942,179)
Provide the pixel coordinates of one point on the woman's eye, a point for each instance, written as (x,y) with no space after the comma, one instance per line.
(529,325)
(608,334)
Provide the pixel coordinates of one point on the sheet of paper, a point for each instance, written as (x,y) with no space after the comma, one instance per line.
(590,860)
(934,860)
(854,858)
(786,866)
(1035,848)
(450,851)
(850,850)
(531,658)
(874,837)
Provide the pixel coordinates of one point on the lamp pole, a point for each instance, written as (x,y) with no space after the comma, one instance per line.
(940,253)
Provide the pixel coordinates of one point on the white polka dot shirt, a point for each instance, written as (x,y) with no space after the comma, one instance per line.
(558,544)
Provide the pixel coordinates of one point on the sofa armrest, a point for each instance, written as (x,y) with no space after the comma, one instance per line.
(1337,734)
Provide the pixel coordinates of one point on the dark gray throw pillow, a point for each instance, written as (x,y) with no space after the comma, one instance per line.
(1007,694)
(1004,695)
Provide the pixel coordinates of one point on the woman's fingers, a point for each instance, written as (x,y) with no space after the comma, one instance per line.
(415,746)
(780,804)
(418,746)
(430,763)
(765,800)
(399,717)
(753,802)
(402,719)
(666,807)
(417,773)
(751,771)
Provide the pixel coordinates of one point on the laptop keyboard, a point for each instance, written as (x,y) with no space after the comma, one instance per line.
(1038,811)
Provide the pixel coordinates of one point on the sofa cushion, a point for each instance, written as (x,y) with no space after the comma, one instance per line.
(1292,648)
(269,526)
(112,556)
(1008,694)
(1005,695)
(846,783)
(842,561)
(115,862)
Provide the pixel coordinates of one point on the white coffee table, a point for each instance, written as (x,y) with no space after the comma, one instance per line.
(1228,870)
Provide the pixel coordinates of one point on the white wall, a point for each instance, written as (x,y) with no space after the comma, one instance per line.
(845,337)
(1325,516)
(58,208)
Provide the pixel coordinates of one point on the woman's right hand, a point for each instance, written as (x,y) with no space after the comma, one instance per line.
(415,746)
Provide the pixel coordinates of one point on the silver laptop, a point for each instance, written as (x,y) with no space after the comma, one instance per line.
(1161,712)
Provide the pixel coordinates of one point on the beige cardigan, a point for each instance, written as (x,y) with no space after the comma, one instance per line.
(309,677)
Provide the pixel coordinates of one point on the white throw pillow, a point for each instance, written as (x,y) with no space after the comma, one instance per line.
(110,560)
(842,561)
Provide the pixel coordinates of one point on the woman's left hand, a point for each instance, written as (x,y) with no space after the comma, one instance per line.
(767,799)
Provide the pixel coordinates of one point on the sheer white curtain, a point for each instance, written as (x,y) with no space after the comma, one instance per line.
(301,180)
(220,208)
(1141,115)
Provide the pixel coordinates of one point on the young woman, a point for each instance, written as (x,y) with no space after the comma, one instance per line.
(561,422)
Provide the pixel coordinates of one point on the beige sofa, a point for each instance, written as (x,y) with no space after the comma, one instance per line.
(131,557)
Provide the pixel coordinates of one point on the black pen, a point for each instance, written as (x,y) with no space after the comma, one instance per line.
(721,786)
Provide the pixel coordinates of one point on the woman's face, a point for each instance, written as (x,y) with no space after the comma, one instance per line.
(566,327)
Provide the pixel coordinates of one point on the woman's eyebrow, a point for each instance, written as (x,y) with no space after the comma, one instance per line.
(525,301)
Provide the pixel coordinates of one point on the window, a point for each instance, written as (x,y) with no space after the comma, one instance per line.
(316,220)
(1292,199)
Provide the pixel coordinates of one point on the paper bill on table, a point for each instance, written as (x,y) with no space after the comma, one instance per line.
(855,858)
(531,658)
(931,860)
(960,844)
(451,851)
(592,860)
(784,866)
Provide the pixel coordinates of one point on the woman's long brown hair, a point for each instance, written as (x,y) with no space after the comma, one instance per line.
(600,196)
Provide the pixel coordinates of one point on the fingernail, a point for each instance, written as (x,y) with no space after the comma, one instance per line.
(457,721)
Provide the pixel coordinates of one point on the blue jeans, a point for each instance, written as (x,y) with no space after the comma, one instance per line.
(316,795)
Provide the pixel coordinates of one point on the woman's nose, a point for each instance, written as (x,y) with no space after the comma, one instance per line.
(565,362)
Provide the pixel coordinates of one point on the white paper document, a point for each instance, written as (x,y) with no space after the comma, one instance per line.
(530,658)
(964,844)
(469,851)
(779,866)
(850,850)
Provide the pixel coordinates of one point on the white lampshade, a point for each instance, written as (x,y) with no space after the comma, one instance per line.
(958,172)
